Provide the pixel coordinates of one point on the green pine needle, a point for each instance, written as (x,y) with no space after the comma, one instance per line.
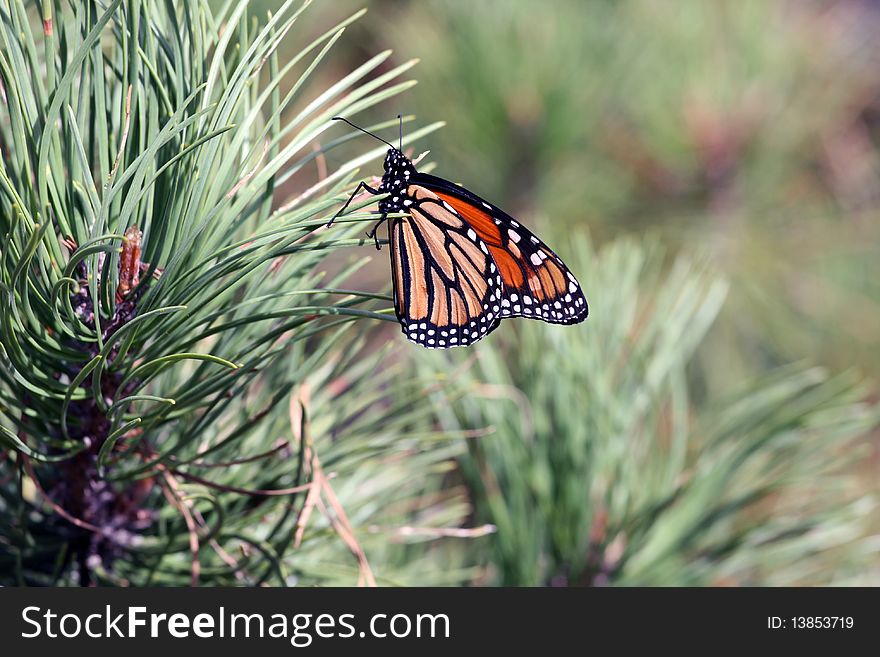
(163,302)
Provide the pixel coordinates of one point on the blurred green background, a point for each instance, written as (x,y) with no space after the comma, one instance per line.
(710,172)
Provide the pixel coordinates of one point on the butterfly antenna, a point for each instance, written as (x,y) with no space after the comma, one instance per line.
(339,118)
(400,122)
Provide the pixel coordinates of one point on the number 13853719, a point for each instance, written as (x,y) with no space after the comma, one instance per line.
(810,622)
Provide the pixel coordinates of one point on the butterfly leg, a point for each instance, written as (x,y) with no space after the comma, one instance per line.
(372,232)
(357,190)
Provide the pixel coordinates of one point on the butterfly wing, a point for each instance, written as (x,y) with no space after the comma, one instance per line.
(536,283)
(447,289)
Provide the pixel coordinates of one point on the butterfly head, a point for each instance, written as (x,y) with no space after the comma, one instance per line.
(398,171)
(397,162)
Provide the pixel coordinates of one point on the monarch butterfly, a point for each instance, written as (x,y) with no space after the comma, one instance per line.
(460,264)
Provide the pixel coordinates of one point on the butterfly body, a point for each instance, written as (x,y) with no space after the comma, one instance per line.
(460,264)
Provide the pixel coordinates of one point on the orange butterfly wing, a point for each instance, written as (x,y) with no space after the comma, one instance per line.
(537,284)
(447,290)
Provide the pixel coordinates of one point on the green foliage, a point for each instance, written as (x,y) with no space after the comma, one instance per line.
(601,468)
(162,300)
